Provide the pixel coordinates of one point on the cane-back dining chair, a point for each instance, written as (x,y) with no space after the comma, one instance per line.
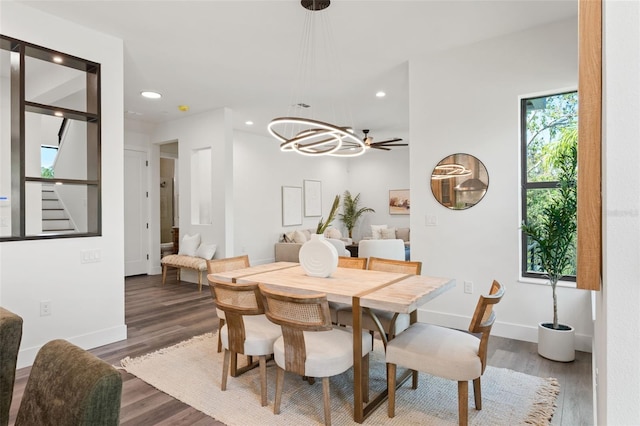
(390,323)
(447,353)
(310,346)
(225,265)
(246,330)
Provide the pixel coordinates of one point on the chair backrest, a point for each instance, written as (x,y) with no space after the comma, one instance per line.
(225,265)
(237,300)
(70,386)
(10,338)
(484,317)
(392,265)
(295,314)
(352,262)
(228,264)
(387,249)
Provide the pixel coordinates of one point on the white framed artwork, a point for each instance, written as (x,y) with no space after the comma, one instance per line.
(312,198)
(291,205)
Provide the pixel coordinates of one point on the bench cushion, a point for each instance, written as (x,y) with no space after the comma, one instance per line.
(182,261)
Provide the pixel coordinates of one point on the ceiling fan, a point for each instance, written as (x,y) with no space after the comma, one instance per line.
(385,145)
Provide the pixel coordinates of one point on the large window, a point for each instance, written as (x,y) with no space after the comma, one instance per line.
(547,123)
(49,143)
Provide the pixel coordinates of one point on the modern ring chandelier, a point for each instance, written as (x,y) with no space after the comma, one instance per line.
(311,136)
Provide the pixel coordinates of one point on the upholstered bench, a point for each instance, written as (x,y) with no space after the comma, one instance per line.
(183,261)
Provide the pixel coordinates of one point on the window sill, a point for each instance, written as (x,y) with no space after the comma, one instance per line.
(539,281)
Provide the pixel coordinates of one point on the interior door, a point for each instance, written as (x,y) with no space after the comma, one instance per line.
(136,239)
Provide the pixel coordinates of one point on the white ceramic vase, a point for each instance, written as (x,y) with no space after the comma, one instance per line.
(318,257)
(556,345)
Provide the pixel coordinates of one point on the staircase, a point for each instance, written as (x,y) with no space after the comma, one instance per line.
(54,217)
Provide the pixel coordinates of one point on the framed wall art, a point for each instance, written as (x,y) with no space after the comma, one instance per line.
(312,198)
(399,201)
(291,205)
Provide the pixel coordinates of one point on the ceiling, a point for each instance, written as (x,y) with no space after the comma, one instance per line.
(244,54)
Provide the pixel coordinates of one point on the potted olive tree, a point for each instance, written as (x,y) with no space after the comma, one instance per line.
(552,235)
(350,211)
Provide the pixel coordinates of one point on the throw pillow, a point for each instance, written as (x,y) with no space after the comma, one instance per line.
(299,237)
(403,234)
(375,231)
(288,237)
(388,233)
(189,245)
(206,251)
(333,233)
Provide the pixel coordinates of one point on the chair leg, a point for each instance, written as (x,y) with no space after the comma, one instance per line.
(327,401)
(178,275)
(391,386)
(164,274)
(463,404)
(414,379)
(225,369)
(199,280)
(263,379)
(222,323)
(279,385)
(477,393)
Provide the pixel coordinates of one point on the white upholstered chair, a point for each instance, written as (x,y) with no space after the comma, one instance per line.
(246,330)
(224,265)
(388,249)
(444,352)
(340,247)
(309,345)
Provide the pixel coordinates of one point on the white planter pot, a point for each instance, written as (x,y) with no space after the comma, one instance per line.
(318,257)
(556,345)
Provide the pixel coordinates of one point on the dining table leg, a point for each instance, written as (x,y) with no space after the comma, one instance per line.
(358,399)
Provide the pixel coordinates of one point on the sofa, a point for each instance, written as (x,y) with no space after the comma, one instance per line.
(287,249)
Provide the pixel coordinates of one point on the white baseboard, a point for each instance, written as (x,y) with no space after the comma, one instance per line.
(86,341)
(502,329)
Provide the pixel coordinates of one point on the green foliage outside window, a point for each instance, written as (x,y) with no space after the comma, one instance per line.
(551,138)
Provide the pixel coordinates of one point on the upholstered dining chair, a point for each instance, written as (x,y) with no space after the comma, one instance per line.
(391,323)
(310,346)
(246,331)
(387,249)
(447,353)
(70,386)
(10,338)
(225,265)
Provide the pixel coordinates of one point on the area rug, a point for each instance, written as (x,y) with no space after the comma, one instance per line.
(190,372)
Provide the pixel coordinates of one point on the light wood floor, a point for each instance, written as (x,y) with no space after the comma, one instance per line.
(158,316)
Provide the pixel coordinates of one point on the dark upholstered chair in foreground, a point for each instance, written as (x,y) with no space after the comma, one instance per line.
(70,386)
(10,337)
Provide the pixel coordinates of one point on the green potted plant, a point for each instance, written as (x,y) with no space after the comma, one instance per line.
(552,235)
(322,226)
(350,211)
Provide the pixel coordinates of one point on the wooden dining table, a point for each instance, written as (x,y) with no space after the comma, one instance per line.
(361,289)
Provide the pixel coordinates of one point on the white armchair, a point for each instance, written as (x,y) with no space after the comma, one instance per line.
(340,247)
(386,249)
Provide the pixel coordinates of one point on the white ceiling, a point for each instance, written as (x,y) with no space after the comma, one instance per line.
(243,54)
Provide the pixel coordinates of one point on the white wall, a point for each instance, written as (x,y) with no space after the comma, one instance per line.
(372,176)
(467,100)
(87,299)
(260,171)
(617,337)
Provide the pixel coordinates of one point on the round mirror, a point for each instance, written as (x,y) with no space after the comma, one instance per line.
(459,181)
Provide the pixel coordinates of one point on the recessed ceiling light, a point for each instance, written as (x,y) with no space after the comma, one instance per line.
(151,95)
(249,123)
(57,114)
(380,94)
(57,59)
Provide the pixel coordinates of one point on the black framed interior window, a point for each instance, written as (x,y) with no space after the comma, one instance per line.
(50,152)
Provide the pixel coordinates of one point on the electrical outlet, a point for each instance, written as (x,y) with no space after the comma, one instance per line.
(468,287)
(45,308)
